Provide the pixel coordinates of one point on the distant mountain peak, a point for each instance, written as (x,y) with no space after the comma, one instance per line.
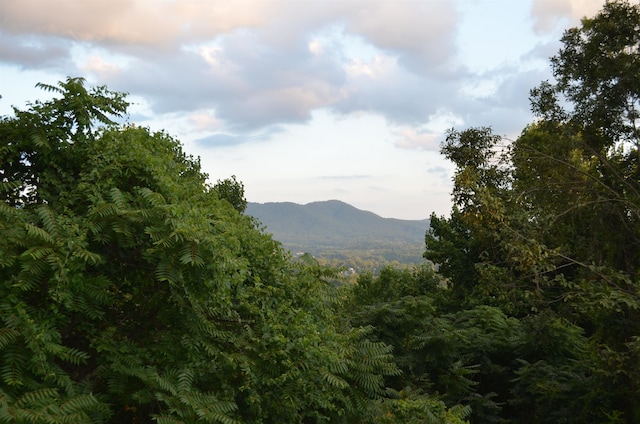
(335,223)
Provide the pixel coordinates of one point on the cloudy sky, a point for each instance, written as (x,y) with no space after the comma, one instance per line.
(302,100)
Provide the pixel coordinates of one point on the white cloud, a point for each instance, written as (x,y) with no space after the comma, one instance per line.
(442,120)
(422,33)
(413,138)
(145,22)
(548,14)
(31,52)
(316,47)
(430,135)
(265,65)
(97,65)
(205,120)
(375,68)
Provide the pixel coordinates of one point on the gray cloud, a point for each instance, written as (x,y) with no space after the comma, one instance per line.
(400,96)
(259,65)
(421,33)
(35,52)
(437,170)
(249,83)
(146,23)
(225,139)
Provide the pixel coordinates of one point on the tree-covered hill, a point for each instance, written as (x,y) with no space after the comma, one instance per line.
(333,223)
(336,230)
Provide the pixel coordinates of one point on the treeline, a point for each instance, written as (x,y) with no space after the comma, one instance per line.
(371,257)
(133,291)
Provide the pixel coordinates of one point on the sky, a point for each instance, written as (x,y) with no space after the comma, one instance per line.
(301,100)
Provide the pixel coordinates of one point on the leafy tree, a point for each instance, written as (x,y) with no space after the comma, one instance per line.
(130,291)
(41,137)
(596,72)
(466,245)
(232,191)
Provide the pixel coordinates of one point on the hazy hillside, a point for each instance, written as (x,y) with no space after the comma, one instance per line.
(330,227)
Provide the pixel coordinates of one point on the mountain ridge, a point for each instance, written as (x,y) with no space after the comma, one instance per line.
(334,224)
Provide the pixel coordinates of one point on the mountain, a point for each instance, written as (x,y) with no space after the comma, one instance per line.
(337,226)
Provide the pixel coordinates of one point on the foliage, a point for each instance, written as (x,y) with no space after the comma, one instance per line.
(366,256)
(232,191)
(539,368)
(536,318)
(132,292)
(412,407)
(38,139)
(547,229)
(398,303)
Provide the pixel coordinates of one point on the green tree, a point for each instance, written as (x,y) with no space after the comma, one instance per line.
(468,246)
(38,139)
(232,191)
(596,72)
(130,291)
